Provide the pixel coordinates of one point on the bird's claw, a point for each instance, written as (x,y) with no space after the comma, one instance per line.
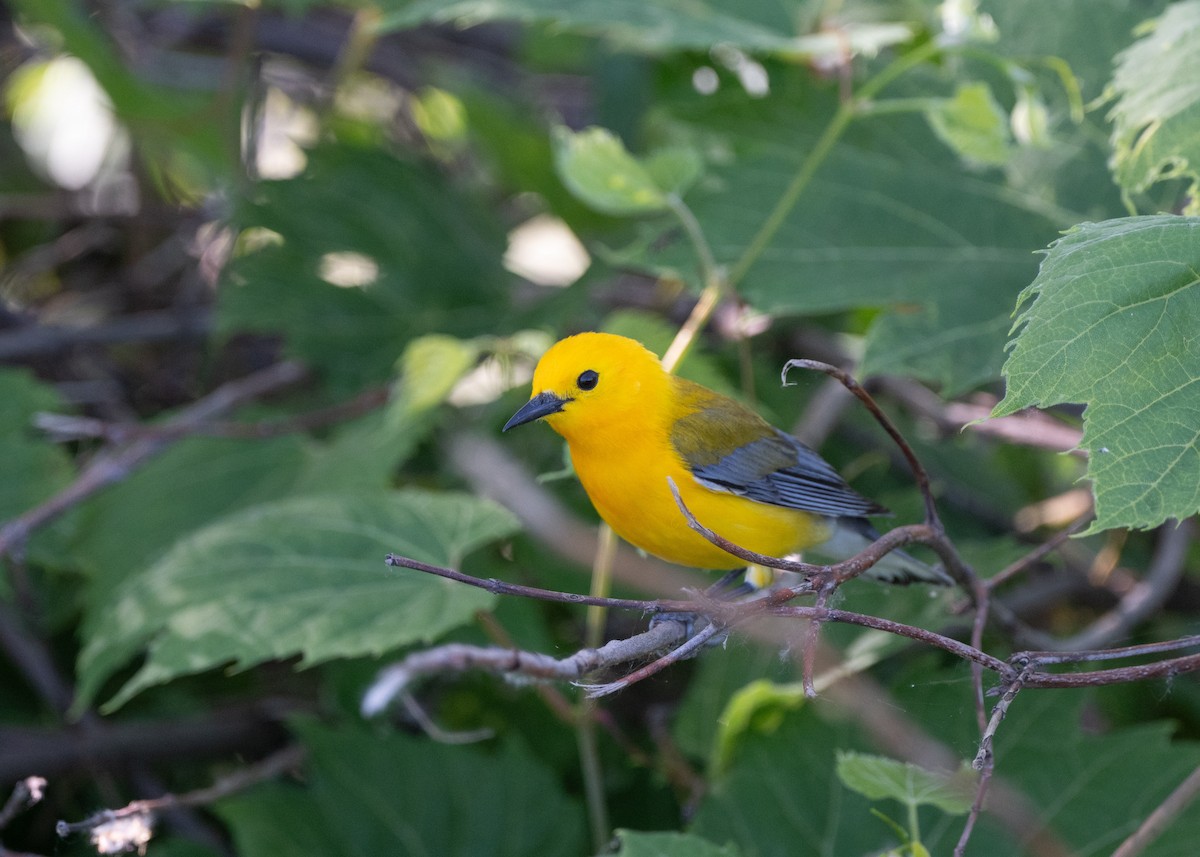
(690,621)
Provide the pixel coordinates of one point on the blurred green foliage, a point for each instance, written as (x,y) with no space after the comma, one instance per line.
(349,186)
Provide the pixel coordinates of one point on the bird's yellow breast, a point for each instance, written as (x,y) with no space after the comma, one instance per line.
(624,469)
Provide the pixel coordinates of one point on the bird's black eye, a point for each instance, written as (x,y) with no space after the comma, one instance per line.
(588,379)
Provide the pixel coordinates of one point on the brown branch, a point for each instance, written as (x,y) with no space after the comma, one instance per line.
(500,587)
(726,614)
(690,647)
(983,603)
(141,812)
(26,793)
(460,657)
(40,339)
(34,661)
(918,471)
(1027,428)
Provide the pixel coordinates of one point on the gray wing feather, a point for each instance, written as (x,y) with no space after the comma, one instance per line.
(784,472)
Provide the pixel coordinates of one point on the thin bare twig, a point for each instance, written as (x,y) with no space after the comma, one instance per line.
(26,793)
(269,768)
(459,657)
(812,637)
(983,603)
(687,649)
(500,587)
(918,470)
(1075,657)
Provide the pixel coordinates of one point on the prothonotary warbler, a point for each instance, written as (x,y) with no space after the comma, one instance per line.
(629,425)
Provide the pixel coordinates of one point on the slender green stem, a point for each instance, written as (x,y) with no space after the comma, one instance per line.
(709,271)
(687,334)
(601,585)
(898,105)
(914,822)
(593,775)
(711,274)
(846,112)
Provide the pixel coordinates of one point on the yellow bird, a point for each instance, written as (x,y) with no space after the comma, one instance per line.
(630,425)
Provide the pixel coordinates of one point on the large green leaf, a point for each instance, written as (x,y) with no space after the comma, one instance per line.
(274,818)
(302,576)
(891,219)
(780,796)
(1156,119)
(1085,794)
(422,257)
(196,481)
(378,794)
(1028,30)
(1111,322)
(658,26)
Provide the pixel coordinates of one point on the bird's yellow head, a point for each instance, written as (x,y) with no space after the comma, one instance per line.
(590,382)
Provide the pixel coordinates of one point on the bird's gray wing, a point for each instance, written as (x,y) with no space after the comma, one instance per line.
(776,468)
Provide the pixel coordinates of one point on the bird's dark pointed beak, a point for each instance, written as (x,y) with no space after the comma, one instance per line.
(541,405)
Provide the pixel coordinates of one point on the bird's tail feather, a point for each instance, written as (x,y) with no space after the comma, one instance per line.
(851,535)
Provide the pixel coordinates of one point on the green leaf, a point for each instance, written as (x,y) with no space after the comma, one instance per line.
(878,778)
(674,169)
(32,470)
(399,795)
(426,258)
(373,794)
(779,795)
(1029,30)
(1084,795)
(596,167)
(302,576)
(757,708)
(429,368)
(669,844)
(658,26)
(273,819)
(365,453)
(133,523)
(1156,118)
(890,219)
(972,124)
(1111,322)
(697,724)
